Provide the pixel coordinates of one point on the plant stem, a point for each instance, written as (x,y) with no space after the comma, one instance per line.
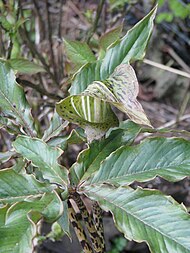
(97,214)
(60,70)
(49,32)
(98,13)
(42,91)
(40,17)
(2,47)
(10,46)
(90,225)
(33,49)
(9,50)
(80,233)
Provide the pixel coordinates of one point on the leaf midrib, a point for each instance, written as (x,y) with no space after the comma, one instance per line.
(51,134)
(137,173)
(23,196)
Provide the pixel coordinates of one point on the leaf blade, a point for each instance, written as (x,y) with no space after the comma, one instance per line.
(18,228)
(122,51)
(136,215)
(110,37)
(43,156)
(55,127)
(22,187)
(63,221)
(86,75)
(25,66)
(13,101)
(131,47)
(89,160)
(79,52)
(165,157)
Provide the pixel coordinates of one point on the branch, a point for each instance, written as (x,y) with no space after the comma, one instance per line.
(98,13)
(2,46)
(161,66)
(49,31)
(33,49)
(25,83)
(60,70)
(39,16)
(9,50)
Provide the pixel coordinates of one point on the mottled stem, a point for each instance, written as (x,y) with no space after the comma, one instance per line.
(97,215)
(80,233)
(90,225)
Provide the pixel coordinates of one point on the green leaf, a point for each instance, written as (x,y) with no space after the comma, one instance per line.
(179,9)
(131,47)
(42,156)
(146,215)
(5,156)
(64,220)
(79,52)
(3,121)
(56,232)
(55,127)
(49,206)
(86,75)
(18,228)
(118,244)
(20,22)
(25,66)
(110,37)
(16,187)
(165,157)
(5,23)
(160,3)
(164,16)
(77,136)
(89,160)
(115,4)
(20,165)
(10,126)
(17,236)
(12,99)
(92,114)
(3,211)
